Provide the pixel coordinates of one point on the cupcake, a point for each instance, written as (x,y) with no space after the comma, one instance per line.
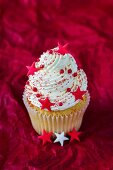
(56,94)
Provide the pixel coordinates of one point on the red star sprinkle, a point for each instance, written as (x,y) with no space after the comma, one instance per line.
(62,49)
(45,137)
(46,104)
(31,69)
(78,94)
(74,135)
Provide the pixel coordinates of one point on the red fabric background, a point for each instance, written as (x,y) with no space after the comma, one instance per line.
(29,27)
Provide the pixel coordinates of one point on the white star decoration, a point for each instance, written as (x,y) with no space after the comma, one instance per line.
(60,138)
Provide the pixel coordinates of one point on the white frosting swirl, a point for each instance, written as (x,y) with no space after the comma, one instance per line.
(51,82)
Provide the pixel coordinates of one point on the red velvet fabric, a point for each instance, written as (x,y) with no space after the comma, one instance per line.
(29,27)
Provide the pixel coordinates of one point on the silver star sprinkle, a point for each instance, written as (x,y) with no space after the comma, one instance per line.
(60,138)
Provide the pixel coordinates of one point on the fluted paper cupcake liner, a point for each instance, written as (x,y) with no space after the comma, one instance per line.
(55,123)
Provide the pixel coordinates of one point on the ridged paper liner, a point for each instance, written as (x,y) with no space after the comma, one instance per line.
(52,123)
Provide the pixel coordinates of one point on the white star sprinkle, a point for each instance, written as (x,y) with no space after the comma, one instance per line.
(60,138)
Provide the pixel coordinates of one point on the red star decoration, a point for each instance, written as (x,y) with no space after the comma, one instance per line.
(46,104)
(45,137)
(62,49)
(74,135)
(32,69)
(78,94)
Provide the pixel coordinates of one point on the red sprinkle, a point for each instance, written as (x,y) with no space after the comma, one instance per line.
(60,103)
(74,74)
(38,95)
(41,66)
(68,89)
(69,71)
(61,71)
(34,89)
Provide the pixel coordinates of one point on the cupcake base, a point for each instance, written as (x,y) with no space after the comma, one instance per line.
(57,121)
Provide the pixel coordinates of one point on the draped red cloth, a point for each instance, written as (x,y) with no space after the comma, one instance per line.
(29,27)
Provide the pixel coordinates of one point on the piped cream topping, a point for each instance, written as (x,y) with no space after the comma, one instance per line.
(57,77)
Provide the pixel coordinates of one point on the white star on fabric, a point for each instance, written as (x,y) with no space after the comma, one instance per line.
(60,138)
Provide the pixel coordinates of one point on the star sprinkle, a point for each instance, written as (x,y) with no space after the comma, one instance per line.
(78,94)
(60,138)
(62,49)
(74,135)
(45,137)
(46,104)
(31,69)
